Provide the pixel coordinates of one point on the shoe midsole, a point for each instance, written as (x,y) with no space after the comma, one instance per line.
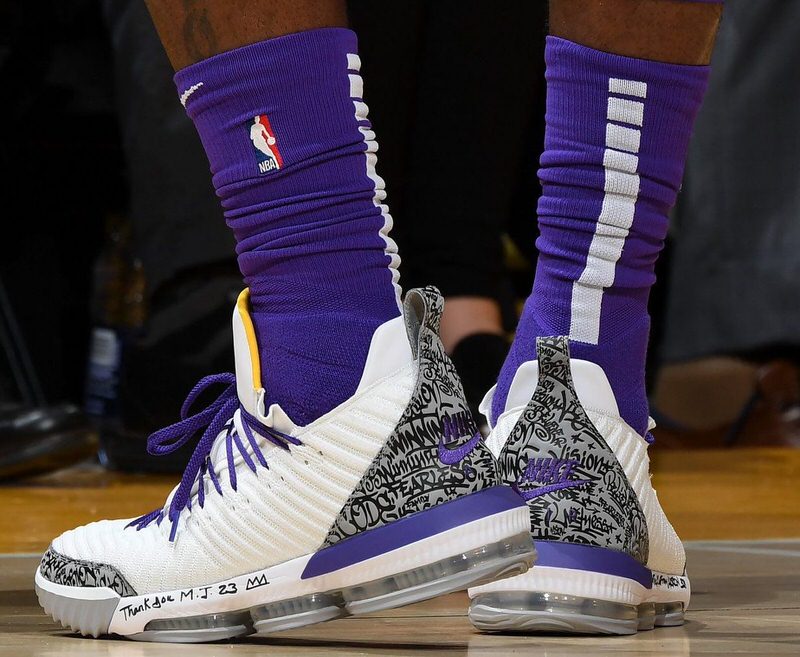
(592,573)
(285,581)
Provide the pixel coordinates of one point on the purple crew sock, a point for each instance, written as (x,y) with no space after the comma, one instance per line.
(292,154)
(615,144)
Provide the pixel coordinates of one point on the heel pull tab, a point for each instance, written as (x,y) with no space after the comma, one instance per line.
(423,308)
(554,361)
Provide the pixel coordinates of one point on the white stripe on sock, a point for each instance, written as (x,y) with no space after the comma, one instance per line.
(621,187)
(627,87)
(621,138)
(361,109)
(621,183)
(371,161)
(356,86)
(620,161)
(622,110)
(185,95)
(353,62)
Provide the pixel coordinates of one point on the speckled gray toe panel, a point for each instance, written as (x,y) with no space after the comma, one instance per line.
(59,569)
(576,490)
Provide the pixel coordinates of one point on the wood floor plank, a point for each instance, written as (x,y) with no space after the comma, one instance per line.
(730,494)
(740,606)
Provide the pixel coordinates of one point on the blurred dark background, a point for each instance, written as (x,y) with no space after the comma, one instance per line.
(62,171)
(117,272)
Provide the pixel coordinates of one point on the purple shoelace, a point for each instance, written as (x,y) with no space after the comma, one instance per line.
(212,420)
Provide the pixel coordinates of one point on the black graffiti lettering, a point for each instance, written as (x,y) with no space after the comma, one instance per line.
(129,611)
(407,476)
(256,582)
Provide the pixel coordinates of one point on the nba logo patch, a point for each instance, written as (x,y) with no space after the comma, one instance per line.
(265,144)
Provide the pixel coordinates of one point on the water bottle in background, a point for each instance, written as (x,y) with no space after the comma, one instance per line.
(111,276)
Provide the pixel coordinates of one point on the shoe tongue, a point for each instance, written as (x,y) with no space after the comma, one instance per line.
(249,389)
(248,364)
(276,418)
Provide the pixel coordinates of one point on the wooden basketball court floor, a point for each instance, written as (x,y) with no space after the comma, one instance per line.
(739,512)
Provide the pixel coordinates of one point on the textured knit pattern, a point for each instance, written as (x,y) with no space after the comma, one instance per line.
(293,158)
(595,505)
(615,144)
(666,554)
(275,515)
(408,474)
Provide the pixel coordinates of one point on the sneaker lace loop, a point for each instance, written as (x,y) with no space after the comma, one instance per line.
(224,414)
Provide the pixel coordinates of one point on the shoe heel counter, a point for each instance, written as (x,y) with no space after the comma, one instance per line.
(418,467)
(557,460)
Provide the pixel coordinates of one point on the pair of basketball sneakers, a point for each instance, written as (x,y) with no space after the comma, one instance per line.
(391,498)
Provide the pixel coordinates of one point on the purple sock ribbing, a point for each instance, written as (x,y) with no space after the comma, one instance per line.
(292,154)
(615,144)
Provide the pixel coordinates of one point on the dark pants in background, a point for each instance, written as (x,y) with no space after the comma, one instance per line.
(735,270)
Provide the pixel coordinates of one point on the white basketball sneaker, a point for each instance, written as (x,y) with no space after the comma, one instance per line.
(609,562)
(388,499)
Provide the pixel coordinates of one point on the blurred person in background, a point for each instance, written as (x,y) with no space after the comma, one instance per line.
(178,234)
(459,148)
(58,138)
(731,334)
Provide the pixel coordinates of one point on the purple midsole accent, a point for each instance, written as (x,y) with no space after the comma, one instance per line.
(592,558)
(416,527)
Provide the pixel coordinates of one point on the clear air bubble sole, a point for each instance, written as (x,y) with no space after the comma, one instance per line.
(536,612)
(481,551)
(616,596)
(505,559)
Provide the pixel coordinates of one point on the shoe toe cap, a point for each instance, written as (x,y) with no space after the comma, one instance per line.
(79,558)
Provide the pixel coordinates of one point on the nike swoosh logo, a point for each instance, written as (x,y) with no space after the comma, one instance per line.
(543,490)
(185,95)
(453,455)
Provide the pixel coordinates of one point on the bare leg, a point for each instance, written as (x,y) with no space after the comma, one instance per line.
(192,30)
(465,316)
(662,30)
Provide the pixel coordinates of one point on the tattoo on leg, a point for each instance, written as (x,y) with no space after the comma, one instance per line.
(199,38)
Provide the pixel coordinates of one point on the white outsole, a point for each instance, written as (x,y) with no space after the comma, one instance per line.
(562,600)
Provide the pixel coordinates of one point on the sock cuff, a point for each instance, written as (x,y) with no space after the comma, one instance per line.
(566,58)
(282,59)
(285,100)
(635,113)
